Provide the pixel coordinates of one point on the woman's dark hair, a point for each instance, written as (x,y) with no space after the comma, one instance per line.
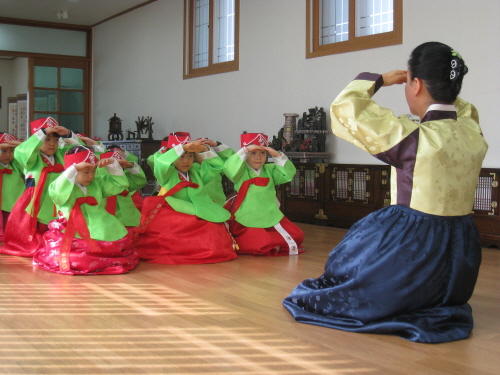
(441,68)
(75,149)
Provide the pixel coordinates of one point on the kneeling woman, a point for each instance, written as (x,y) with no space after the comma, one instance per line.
(86,239)
(182,225)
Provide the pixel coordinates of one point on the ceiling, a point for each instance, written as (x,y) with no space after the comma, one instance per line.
(79,12)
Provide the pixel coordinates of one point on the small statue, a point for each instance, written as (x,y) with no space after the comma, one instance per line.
(144,125)
(115,129)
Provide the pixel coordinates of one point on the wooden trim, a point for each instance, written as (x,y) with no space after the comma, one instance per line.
(212,68)
(50,25)
(313,49)
(124,12)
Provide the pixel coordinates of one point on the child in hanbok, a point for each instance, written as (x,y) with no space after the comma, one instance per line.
(182,225)
(11,178)
(214,187)
(257,224)
(86,239)
(126,205)
(407,269)
(41,158)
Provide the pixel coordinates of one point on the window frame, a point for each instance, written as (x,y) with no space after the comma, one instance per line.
(355,43)
(212,68)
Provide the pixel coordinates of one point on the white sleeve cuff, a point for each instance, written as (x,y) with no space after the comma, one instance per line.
(221,148)
(99,148)
(135,169)
(70,173)
(280,160)
(208,154)
(115,169)
(179,149)
(40,134)
(242,153)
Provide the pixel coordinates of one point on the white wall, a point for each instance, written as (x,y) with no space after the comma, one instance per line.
(138,70)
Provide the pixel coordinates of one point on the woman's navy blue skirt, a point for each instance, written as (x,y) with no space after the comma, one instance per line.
(397,271)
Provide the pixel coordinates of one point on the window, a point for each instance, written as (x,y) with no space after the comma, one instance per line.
(60,91)
(338,26)
(211,37)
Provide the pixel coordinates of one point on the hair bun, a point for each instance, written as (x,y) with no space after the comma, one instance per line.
(458,66)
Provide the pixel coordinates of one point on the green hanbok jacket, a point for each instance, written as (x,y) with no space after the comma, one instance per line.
(260,208)
(102,225)
(29,157)
(12,185)
(190,200)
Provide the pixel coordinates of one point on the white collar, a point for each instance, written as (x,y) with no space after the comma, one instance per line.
(442,107)
(82,188)
(49,158)
(5,165)
(185,175)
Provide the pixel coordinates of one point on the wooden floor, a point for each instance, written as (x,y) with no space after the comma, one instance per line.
(222,318)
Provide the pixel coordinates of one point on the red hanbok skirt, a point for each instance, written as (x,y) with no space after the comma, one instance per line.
(115,257)
(16,234)
(171,237)
(4,218)
(265,241)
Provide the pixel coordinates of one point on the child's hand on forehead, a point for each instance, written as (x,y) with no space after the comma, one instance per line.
(125,164)
(61,130)
(271,151)
(89,141)
(85,166)
(102,163)
(9,144)
(195,146)
(208,142)
(252,147)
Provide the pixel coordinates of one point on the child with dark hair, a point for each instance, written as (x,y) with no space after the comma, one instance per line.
(182,225)
(11,178)
(41,158)
(86,239)
(410,268)
(257,224)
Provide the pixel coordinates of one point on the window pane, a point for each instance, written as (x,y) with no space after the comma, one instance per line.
(201,23)
(334,25)
(46,76)
(72,122)
(45,100)
(224,31)
(310,175)
(374,17)
(359,188)
(71,101)
(342,185)
(482,201)
(295,184)
(72,78)
(36,116)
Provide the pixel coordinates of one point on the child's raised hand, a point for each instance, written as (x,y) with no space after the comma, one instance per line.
(252,147)
(272,151)
(85,166)
(125,164)
(195,146)
(395,77)
(61,130)
(88,141)
(104,162)
(9,144)
(209,142)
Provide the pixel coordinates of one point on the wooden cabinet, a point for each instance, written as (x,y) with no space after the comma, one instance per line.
(340,194)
